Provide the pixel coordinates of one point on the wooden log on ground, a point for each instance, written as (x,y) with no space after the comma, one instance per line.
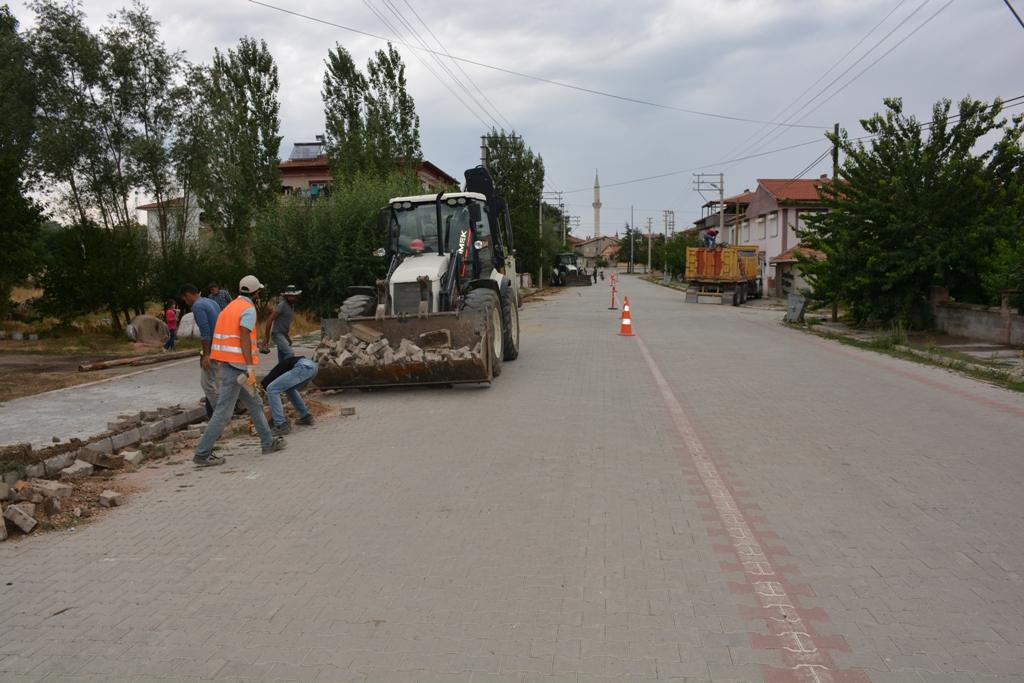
(137,360)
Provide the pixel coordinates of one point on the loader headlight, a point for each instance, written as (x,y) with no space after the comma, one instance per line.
(478,245)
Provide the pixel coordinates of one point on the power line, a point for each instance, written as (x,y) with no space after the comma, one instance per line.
(1016,16)
(1017,102)
(883,56)
(444,67)
(697,168)
(768,138)
(459,66)
(384,20)
(540,79)
(820,78)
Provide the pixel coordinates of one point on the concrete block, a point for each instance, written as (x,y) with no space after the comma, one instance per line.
(196,414)
(35,470)
(177,420)
(3,529)
(27,494)
(152,430)
(21,515)
(5,490)
(127,438)
(134,458)
(77,470)
(149,415)
(11,478)
(99,446)
(99,458)
(110,499)
(190,433)
(52,506)
(50,489)
(56,463)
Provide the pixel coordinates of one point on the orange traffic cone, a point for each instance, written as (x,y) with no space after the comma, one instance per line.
(626,327)
(613,307)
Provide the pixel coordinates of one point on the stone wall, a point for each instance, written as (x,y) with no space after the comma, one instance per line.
(1002,325)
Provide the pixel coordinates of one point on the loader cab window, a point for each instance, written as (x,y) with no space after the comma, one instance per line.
(417,224)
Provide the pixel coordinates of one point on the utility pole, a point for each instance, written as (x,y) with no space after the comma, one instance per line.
(649,221)
(835,154)
(632,239)
(540,233)
(835,177)
(483,151)
(707,182)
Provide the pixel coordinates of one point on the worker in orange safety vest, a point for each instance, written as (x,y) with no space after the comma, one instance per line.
(234,351)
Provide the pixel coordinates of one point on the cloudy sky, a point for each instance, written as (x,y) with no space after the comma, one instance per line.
(748,59)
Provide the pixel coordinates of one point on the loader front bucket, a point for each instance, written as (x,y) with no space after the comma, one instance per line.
(442,348)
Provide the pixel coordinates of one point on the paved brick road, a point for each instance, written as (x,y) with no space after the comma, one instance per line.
(578,521)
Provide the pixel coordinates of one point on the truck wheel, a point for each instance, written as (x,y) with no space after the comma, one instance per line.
(357,306)
(486,304)
(509,326)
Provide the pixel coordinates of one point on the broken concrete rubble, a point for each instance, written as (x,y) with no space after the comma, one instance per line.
(49,488)
(21,515)
(77,470)
(109,499)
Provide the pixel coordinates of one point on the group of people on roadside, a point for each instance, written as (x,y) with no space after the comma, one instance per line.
(229,358)
(172,314)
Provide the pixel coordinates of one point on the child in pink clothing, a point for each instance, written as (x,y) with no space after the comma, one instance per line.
(171,318)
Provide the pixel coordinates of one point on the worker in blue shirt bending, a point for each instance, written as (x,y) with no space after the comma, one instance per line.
(205,312)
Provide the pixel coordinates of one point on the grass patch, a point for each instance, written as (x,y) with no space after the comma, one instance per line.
(970,369)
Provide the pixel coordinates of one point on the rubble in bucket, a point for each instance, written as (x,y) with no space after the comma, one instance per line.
(349,350)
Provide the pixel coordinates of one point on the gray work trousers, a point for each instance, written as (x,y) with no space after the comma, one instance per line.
(209,384)
(230,393)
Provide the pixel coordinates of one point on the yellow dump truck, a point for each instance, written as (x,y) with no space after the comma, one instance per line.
(724,275)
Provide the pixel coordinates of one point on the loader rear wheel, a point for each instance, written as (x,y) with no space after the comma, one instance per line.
(487,305)
(509,326)
(358,306)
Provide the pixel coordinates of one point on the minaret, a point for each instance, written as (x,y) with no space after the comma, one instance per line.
(597,206)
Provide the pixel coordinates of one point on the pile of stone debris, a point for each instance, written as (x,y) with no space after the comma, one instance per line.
(45,488)
(355,350)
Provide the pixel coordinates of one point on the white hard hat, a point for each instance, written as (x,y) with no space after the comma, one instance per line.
(249,285)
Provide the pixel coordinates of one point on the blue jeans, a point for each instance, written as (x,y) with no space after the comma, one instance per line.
(290,383)
(284,345)
(230,392)
(171,339)
(709,242)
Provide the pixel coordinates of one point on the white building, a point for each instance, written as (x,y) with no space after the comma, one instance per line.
(195,220)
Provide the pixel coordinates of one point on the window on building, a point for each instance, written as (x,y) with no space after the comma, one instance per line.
(761,227)
(773,224)
(746,231)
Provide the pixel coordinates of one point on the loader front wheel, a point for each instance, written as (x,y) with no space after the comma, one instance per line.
(486,304)
(509,326)
(358,306)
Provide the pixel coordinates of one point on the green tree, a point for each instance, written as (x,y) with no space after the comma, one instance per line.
(240,177)
(912,209)
(518,175)
(674,252)
(93,268)
(638,240)
(142,74)
(392,125)
(19,219)
(66,63)
(371,120)
(327,245)
(344,95)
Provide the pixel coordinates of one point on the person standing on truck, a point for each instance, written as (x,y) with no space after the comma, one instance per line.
(234,349)
(279,324)
(710,236)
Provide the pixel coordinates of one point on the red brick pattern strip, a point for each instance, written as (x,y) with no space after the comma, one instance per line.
(803,652)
